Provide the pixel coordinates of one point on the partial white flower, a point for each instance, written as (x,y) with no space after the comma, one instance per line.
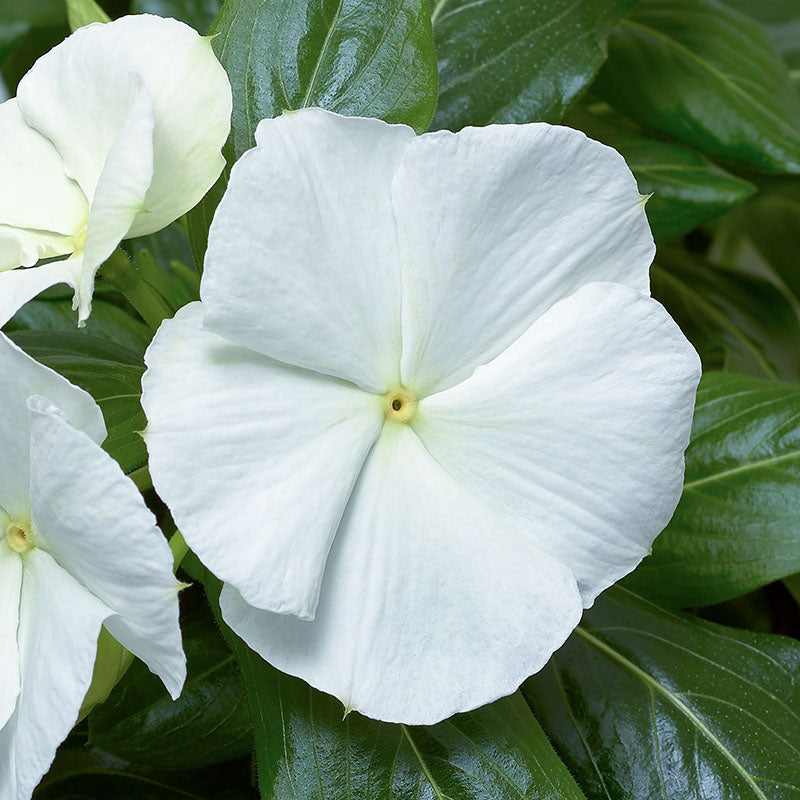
(114,133)
(426,411)
(78,550)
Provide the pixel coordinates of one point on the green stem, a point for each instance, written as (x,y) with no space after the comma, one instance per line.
(122,274)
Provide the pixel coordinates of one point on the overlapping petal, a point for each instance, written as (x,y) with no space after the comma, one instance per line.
(18,286)
(59,622)
(23,377)
(10,585)
(495,225)
(302,263)
(38,196)
(77,96)
(576,433)
(255,459)
(430,605)
(91,518)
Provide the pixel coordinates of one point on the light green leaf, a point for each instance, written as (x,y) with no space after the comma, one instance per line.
(687,189)
(737,322)
(708,76)
(208,724)
(306,749)
(737,526)
(200,14)
(110,372)
(84,12)
(512,61)
(644,703)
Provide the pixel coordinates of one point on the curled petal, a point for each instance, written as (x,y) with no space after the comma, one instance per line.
(76,95)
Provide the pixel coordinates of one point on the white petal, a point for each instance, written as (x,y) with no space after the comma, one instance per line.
(120,193)
(75,95)
(496,224)
(18,286)
(20,247)
(10,586)
(576,433)
(59,625)
(302,261)
(91,518)
(255,459)
(22,377)
(431,604)
(35,192)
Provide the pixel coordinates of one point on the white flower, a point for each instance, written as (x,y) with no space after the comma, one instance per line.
(78,550)
(114,133)
(426,411)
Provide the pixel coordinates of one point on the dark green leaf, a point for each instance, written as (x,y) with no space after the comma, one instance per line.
(781,20)
(737,526)
(736,322)
(687,188)
(367,58)
(707,76)
(208,724)
(200,14)
(110,372)
(643,703)
(307,750)
(512,61)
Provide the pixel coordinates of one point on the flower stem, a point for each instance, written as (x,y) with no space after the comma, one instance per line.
(123,275)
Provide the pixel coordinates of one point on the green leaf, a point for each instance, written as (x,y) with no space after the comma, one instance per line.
(737,322)
(737,526)
(84,12)
(200,14)
(367,58)
(306,749)
(207,725)
(512,61)
(110,372)
(644,703)
(707,76)
(687,189)
(781,20)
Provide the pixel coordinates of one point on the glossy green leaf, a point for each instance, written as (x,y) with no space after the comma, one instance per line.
(84,12)
(366,58)
(643,703)
(517,61)
(110,372)
(781,20)
(707,76)
(687,189)
(737,526)
(737,322)
(208,724)
(200,14)
(306,749)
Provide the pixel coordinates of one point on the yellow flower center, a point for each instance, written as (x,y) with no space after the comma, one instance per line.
(79,238)
(18,536)
(399,405)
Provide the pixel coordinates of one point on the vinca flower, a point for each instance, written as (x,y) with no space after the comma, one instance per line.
(79,550)
(114,133)
(426,410)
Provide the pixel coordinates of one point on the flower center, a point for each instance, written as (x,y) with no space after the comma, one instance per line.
(399,405)
(19,537)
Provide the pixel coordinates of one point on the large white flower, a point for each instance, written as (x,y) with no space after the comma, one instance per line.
(78,550)
(114,133)
(426,410)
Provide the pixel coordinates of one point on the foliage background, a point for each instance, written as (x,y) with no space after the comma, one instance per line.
(684,680)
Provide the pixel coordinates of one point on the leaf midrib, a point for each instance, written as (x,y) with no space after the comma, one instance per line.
(654,685)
